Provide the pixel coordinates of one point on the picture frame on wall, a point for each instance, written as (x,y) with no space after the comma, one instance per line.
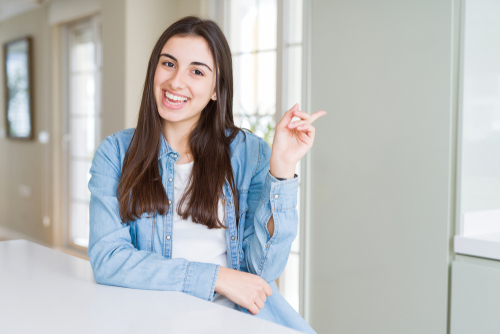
(18,88)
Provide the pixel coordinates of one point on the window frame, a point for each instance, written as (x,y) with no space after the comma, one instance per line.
(220,13)
(93,21)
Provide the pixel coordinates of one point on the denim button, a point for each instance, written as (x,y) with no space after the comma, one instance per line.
(175,155)
(276,196)
(168,237)
(170,180)
(169,202)
(232,237)
(267,246)
(229,203)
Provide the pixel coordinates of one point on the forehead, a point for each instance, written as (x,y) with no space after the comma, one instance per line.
(188,49)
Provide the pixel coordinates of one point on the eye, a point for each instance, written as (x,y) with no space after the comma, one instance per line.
(198,72)
(168,64)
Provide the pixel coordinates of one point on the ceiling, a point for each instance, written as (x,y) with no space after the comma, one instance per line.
(11,8)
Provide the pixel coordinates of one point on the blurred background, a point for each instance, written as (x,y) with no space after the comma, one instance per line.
(399,199)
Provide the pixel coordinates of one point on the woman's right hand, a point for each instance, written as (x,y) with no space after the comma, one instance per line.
(247,290)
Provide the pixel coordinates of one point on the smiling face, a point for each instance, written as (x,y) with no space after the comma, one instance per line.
(184,80)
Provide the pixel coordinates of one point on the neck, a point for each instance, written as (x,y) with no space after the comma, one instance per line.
(177,136)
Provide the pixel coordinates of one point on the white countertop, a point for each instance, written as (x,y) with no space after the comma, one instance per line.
(479,234)
(45,291)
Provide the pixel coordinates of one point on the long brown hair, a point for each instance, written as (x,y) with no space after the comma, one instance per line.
(140,189)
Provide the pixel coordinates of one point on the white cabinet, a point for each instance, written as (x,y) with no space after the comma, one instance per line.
(475,298)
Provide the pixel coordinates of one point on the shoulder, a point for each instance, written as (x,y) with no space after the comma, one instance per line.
(117,141)
(123,137)
(112,150)
(247,141)
(250,151)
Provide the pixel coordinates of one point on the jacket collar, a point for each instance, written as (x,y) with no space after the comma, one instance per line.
(166,150)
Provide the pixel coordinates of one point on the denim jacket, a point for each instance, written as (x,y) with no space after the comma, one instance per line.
(139,255)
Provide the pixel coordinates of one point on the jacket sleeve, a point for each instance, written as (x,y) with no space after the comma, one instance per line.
(113,257)
(267,256)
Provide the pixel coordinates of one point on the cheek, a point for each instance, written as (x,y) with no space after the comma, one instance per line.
(160,77)
(202,90)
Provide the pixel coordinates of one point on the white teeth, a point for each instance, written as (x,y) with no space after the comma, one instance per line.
(175,97)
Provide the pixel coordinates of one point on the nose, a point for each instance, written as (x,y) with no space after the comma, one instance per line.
(177,81)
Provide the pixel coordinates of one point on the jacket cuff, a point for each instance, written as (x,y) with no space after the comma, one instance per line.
(280,195)
(200,280)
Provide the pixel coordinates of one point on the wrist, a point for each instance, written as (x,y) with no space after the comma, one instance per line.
(286,172)
(220,279)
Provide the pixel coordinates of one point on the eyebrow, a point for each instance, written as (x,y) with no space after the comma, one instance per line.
(192,63)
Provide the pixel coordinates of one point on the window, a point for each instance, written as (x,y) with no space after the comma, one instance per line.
(480,163)
(478,194)
(265,37)
(253,45)
(81,123)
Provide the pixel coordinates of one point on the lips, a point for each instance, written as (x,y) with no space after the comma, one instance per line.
(173,101)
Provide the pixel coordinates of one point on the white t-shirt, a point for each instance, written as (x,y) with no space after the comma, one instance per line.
(195,242)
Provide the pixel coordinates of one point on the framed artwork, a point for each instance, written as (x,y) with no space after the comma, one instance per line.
(18,89)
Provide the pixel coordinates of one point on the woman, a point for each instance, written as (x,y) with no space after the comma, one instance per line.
(187,173)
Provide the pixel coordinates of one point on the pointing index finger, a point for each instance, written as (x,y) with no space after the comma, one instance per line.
(316,115)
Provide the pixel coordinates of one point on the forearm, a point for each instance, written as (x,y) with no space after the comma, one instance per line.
(117,262)
(275,227)
(270,226)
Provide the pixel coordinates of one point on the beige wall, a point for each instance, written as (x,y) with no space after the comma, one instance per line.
(143,26)
(28,163)
(382,166)
(113,62)
(129,30)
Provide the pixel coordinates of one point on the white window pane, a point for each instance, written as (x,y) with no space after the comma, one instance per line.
(289,281)
(266,83)
(294,21)
(255,84)
(242,26)
(262,126)
(82,93)
(252,25)
(83,50)
(80,177)
(480,165)
(79,222)
(266,25)
(255,93)
(82,137)
(83,121)
(294,74)
(244,85)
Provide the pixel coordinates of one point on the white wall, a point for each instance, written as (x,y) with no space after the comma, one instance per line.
(381,166)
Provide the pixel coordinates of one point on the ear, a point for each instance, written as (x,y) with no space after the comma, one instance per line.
(214,96)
